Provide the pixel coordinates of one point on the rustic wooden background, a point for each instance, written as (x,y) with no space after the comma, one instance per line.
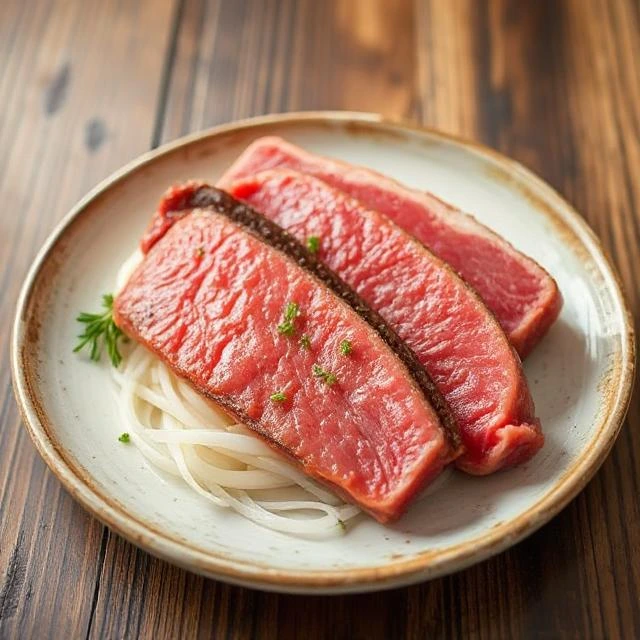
(86,85)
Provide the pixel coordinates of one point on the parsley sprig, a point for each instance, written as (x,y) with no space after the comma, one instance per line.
(101,331)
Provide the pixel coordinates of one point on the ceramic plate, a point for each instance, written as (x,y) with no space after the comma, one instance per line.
(580,375)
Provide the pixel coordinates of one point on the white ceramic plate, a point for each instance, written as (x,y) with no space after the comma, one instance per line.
(580,375)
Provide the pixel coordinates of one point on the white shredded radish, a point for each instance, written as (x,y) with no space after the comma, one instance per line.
(185,435)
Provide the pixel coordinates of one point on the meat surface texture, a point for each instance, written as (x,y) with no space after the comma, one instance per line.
(522,295)
(459,342)
(210,298)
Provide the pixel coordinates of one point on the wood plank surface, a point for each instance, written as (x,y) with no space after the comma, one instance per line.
(86,86)
(79,87)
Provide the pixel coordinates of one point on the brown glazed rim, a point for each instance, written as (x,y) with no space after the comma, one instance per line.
(617,388)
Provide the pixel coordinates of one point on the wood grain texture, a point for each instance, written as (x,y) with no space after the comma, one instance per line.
(86,86)
(79,87)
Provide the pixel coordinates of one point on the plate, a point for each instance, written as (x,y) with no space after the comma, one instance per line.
(580,375)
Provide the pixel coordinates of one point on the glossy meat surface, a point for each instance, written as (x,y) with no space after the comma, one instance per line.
(208,299)
(446,324)
(522,295)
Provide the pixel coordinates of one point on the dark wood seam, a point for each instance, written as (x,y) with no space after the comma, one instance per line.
(285,101)
(96,590)
(622,141)
(165,83)
(193,73)
(139,556)
(167,73)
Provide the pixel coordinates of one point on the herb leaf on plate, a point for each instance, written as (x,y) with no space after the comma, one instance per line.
(100,331)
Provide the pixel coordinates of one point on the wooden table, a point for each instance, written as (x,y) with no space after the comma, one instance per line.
(86,86)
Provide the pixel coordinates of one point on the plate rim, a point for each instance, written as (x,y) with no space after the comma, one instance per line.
(422,566)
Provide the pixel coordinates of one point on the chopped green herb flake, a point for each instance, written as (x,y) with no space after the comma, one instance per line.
(291,311)
(100,330)
(346,348)
(278,397)
(342,525)
(305,342)
(286,327)
(313,244)
(124,437)
(200,252)
(327,377)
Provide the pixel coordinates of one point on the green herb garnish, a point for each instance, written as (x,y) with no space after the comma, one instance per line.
(342,525)
(124,437)
(327,377)
(346,348)
(305,342)
(286,327)
(100,330)
(200,252)
(278,397)
(313,244)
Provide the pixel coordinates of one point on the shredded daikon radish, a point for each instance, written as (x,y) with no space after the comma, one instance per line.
(185,435)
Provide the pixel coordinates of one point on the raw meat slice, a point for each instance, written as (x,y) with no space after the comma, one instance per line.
(213,299)
(441,318)
(521,294)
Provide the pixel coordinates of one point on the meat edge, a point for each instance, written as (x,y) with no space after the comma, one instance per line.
(533,326)
(384,511)
(530,435)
